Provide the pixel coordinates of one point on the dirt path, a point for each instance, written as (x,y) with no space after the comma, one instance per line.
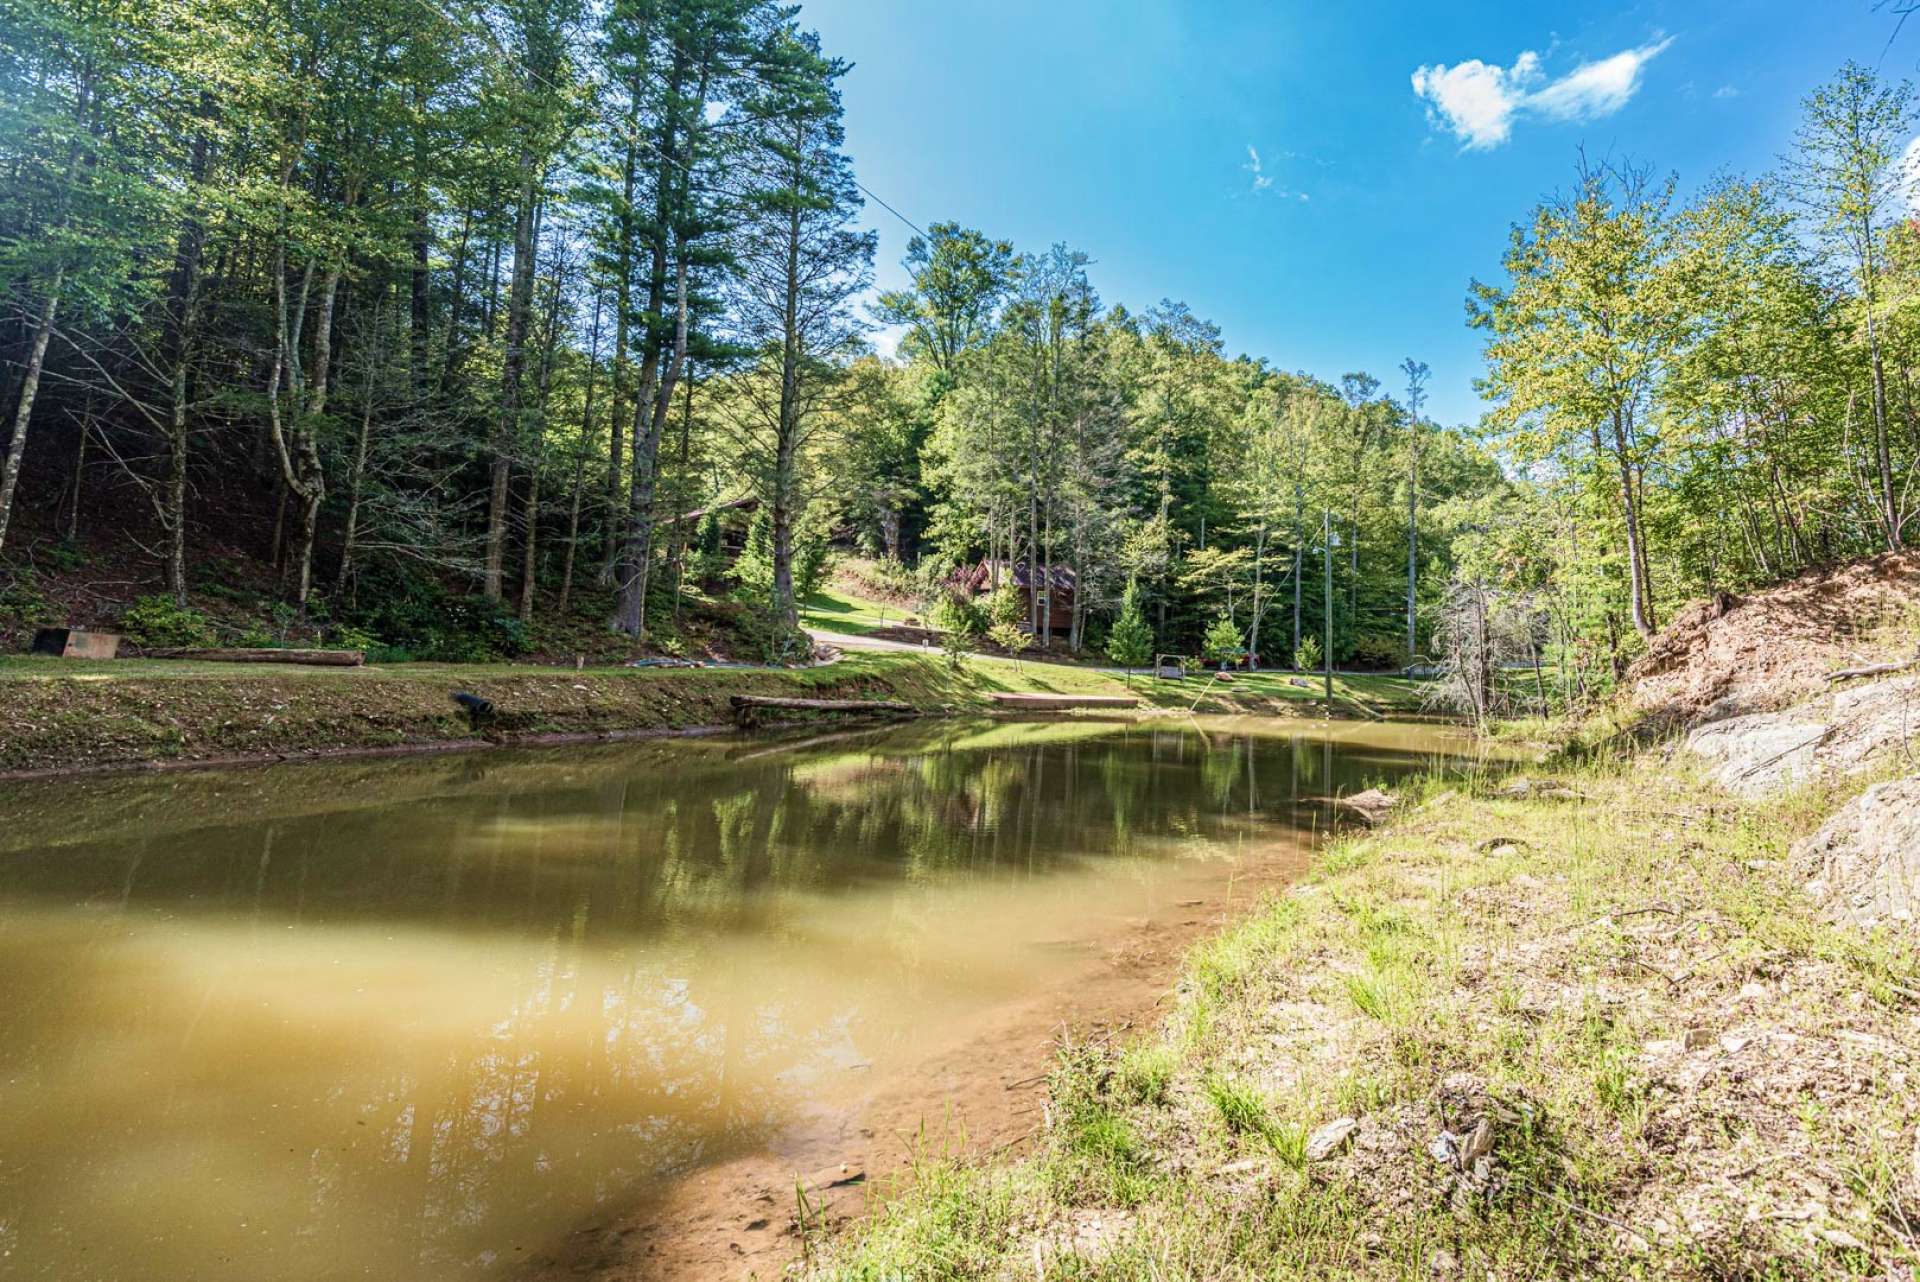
(980,1088)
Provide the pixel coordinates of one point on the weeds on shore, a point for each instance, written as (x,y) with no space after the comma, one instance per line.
(1682,1070)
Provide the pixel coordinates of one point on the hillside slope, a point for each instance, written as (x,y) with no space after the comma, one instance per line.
(1774,647)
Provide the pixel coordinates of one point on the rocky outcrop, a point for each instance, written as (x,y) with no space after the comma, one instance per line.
(1864,864)
(1841,733)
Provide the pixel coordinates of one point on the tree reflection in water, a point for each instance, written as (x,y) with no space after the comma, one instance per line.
(422,1017)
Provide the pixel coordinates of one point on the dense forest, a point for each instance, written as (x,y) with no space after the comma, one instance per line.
(432,327)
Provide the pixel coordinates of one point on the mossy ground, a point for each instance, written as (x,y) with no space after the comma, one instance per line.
(1684,1072)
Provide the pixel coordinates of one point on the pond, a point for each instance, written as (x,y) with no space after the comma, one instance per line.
(465,1017)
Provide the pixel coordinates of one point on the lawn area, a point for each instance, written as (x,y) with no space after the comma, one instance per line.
(835,608)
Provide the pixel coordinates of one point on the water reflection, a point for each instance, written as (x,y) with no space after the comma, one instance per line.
(419,1018)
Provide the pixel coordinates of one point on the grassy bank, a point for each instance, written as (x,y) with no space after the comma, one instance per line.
(60,713)
(1596,1030)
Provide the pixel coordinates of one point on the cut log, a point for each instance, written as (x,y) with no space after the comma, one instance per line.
(1065,700)
(311,658)
(747,702)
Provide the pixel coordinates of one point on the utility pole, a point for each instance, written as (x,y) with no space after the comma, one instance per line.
(1417,373)
(1326,561)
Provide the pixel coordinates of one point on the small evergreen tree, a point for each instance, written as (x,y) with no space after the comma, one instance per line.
(1130,643)
(1307,658)
(1222,642)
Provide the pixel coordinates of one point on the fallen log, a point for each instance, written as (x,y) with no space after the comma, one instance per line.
(310,658)
(745,703)
(1873,670)
(1065,700)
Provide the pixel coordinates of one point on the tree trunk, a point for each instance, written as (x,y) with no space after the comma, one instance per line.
(1883,456)
(506,439)
(1413,535)
(529,565)
(649,422)
(356,476)
(622,307)
(1253,632)
(580,457)
(29,388)
(79,475)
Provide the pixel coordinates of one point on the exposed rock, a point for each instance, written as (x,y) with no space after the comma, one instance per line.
(1841,734)
(1478,1143)
(1330,1139)
(1864,864)
(1371,806)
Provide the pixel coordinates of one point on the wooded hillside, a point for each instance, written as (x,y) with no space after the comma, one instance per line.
(422,325)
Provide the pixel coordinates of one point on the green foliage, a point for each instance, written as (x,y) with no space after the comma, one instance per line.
(1130,642)
(1373,652)
(710,560)
(1222,642)
(1008,604)
(23,605)
(811,552)
(1309,657)
(345,636)
(1010,637)
(959,622)
(416,617)
(154,622)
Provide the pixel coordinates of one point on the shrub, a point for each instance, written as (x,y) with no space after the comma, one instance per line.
(1379,653)
(158,621)
(1308,657)
(769,638)
(811,555)
(417,618)
(23,605)
(893,575)
(959,623)
(1222,642)
(347,637)
(1008,604)
(1010,637)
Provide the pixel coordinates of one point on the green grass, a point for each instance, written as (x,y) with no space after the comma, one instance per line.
(839,609)
(1409,963)
(65,712)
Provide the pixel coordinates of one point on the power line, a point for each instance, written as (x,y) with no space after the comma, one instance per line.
(889,208)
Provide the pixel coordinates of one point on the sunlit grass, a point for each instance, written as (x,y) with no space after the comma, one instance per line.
(1392,970)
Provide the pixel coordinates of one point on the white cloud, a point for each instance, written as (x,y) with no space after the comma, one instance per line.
(1727,91)
(1260,181)
(1478,102)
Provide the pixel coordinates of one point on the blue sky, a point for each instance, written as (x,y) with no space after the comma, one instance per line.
(1127,129)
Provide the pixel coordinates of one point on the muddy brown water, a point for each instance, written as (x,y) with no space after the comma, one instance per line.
(590,1010)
